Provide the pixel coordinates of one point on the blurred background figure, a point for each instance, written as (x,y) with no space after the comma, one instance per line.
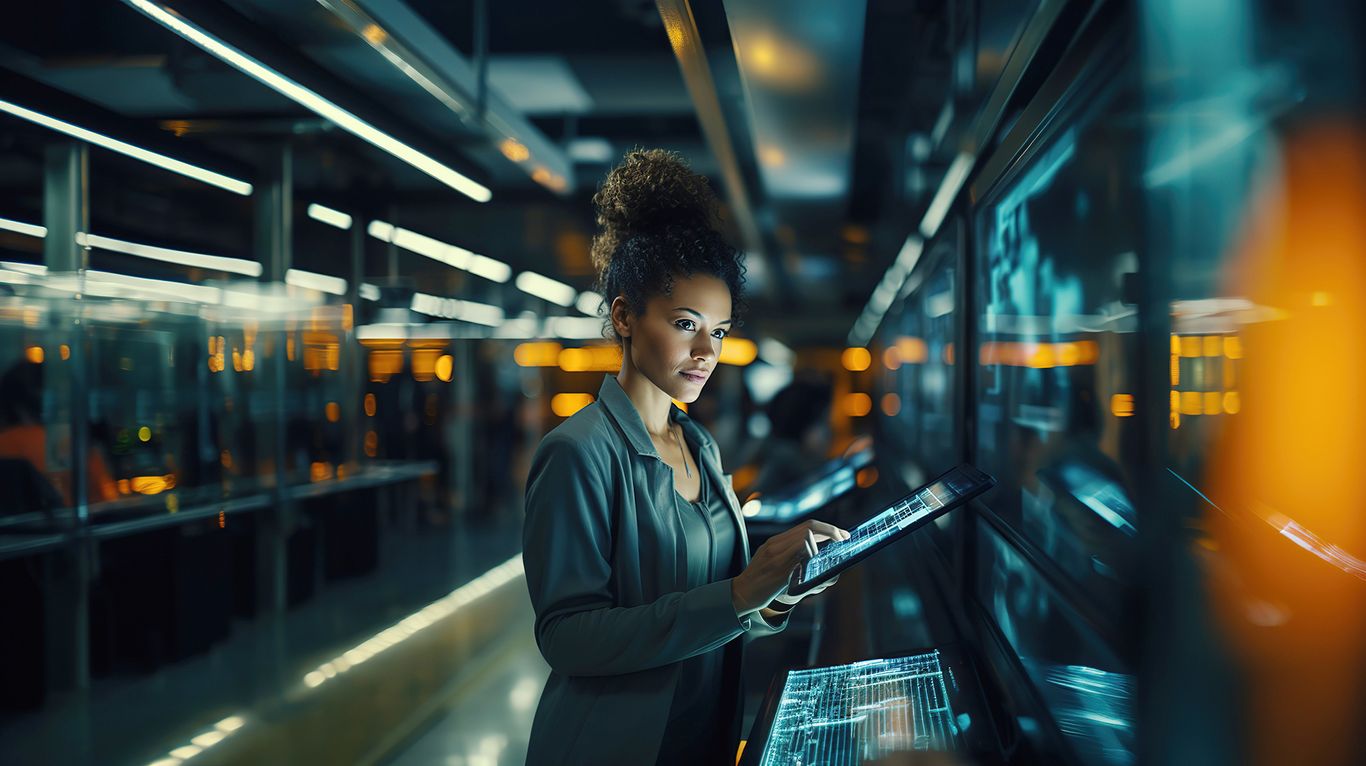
(24,437)
(799,436)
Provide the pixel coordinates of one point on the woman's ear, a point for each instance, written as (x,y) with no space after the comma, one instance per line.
(621,317)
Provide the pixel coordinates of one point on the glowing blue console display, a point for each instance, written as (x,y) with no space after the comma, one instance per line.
(849,714)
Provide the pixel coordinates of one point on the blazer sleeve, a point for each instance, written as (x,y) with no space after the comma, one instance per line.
(567,545)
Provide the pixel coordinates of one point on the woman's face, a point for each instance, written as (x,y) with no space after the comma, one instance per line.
(676,341)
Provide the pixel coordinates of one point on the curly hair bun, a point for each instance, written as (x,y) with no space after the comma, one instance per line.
(651,190)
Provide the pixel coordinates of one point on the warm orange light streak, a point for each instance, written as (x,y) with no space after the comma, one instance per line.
(738,352)
(564,405)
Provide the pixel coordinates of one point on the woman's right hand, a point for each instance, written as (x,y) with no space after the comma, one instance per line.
(771,567)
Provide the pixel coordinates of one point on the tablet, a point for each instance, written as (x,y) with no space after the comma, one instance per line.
(948,491)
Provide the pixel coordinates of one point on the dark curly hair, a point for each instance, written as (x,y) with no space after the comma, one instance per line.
(657,222)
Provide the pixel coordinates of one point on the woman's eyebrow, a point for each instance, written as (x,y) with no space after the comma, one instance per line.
(696,314)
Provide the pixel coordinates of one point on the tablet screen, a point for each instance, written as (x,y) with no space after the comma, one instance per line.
(939,496)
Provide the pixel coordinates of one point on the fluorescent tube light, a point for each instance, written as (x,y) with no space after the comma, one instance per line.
(546,288)
(313,281)
(19,227)
(329,216)
(948,189)
(229,183)
(181,257)
(314,102)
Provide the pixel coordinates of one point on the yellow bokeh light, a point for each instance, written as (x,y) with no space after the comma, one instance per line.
(590,359)
(445,368)
(738,352)
(34,354)
(856,405)
(856,359)
(891,404)
(891,358)
(514,150)
(537,354)
(144,434)
(1122,405)
(1232,403)
(564,405)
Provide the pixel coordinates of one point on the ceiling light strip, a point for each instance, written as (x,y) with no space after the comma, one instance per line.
(234,185)
(314,102)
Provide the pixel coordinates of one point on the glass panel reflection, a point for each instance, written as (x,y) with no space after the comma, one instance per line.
(1089,694)
(1057,374)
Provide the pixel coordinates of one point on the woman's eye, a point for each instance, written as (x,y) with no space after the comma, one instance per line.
(719,335)
(686,325)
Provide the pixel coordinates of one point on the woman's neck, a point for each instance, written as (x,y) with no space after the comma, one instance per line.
(651,403)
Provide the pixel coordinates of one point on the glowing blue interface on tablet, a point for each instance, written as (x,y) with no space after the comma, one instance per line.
(860,712)
(888,523)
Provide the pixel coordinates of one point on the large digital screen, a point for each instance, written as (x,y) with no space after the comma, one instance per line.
(1057,381)
(863,711)
(1087,691)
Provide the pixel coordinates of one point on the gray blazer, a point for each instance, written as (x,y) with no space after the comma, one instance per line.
(606,564)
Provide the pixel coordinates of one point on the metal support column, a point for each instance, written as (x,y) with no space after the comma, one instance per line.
(354,363)
(274,244)
(66,211)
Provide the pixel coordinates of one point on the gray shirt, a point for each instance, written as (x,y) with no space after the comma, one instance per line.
(699,719)
(607,568)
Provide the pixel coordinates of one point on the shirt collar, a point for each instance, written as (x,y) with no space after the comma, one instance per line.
(623,411)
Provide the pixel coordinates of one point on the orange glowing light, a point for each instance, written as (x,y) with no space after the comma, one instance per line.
(856,359)
(1122,405)
(738,351)
(333,411)
(564,405)
(445,368)
(537,354)
(371,443)
(514,150)
(370,405)
(590,359)
(891,404)
(1232,403)
(319,471)
(34,354)
(891,358)
(866,477)
(151,485)
(64,351)
(856,405)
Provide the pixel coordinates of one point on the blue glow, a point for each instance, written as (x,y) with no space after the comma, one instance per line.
(858,712)
(890,522)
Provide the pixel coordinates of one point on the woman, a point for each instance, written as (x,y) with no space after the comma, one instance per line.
(635,550)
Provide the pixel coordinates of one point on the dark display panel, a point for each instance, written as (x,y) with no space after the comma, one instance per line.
(1088,692)
(1057,353)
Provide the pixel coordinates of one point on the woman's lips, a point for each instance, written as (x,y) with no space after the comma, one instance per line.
(695,377)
